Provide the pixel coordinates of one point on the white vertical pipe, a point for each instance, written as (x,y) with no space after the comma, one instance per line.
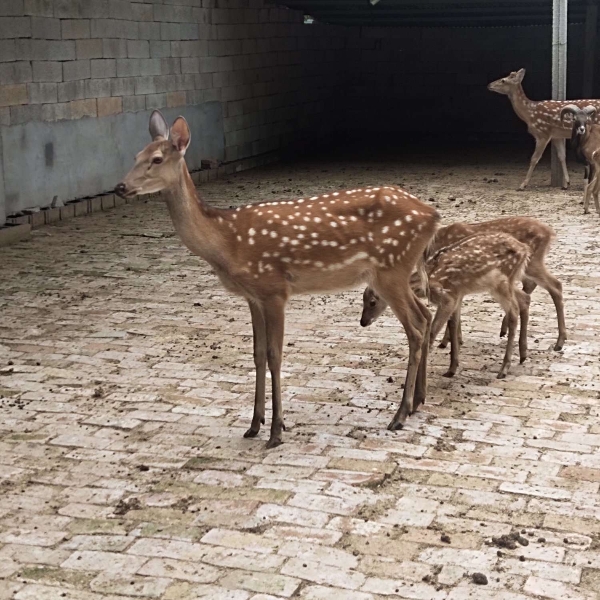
(559,74)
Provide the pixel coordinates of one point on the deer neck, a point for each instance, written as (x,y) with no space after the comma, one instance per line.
(197,224)
(521,104)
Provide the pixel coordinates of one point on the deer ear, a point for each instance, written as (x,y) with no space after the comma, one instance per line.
(180,135)
(158,126)
(520,75)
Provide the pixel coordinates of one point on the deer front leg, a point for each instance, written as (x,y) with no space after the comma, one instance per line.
(447,336)
(421,383)
(404,304)
(274,314)
(540,146)
(509,303)
(453,323)
(523,300)
(260,364)
(529,286)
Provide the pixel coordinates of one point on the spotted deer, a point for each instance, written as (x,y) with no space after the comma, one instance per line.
(269,251)
(538,237)
(585,141)
(479,263)
(543,119)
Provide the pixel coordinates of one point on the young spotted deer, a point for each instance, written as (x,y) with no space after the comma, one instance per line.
(543,119)
(270,251)
(529,231)
(479,263)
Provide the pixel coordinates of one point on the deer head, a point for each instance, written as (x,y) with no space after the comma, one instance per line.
(507,84)
(157,166)
(581,117)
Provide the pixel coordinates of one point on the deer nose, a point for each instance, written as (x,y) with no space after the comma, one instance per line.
(121,189)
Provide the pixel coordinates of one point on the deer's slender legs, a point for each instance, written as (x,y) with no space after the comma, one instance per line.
(540,146)
(596,190)
(589,191)
(446,339)
(538,272)
(421,382)
(274,315)
(403,303)
(446,307)
(529,286)
(504,293)
(453,322)
(561,152)
(523,300)
(260,363)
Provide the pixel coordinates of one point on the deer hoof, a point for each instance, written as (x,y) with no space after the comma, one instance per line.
(522,359)
(443,345)
(501,376)
(251,433)
(395,426)
(274,442)
(558,346)
(450,373)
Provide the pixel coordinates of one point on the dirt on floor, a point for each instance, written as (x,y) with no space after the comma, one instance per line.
(126,383)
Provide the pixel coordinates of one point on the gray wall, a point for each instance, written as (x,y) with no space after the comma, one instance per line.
(75,159)
(78,78)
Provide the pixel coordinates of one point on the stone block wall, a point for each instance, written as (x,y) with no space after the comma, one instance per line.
(276,79)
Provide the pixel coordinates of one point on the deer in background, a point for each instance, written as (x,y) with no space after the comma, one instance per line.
(543,119)
(270,251)
(478,263)
(585,141)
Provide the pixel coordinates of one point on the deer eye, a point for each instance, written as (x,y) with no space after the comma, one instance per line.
(157,160)
(373,303)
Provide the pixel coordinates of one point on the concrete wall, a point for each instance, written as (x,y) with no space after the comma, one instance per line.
(78,78)
(426,81)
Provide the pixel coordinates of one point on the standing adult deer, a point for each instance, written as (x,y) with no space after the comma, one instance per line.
(543,119)
(270,251)
(478,263)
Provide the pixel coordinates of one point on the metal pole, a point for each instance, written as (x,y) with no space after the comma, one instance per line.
(589,57)
(559,75)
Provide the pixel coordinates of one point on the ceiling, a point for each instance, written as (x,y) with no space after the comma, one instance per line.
(436,13)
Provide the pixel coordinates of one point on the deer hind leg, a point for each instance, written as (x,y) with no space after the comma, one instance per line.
(540,146)
(260,363)
(453,324)
(538,272)
(596,190)
(561,152)
(523,300)
(406,307)
(505,295)
(589,190)
(274,313)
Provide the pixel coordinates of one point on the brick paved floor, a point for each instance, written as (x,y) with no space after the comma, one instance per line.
(126,383)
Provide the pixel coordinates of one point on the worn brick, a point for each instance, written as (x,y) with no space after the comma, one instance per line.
(109,106)
(39,8)
(45,29)
(83,108)
(15,72)
(76,69)
(122,86)
(11,95)
(15,27)
(128,67)
(97,88)
(42,93)
(103,68)
(86,49)
(114,48)
(138,49)
(134,103)
(47,71)
(75,29)
(25,114)
(71,90)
